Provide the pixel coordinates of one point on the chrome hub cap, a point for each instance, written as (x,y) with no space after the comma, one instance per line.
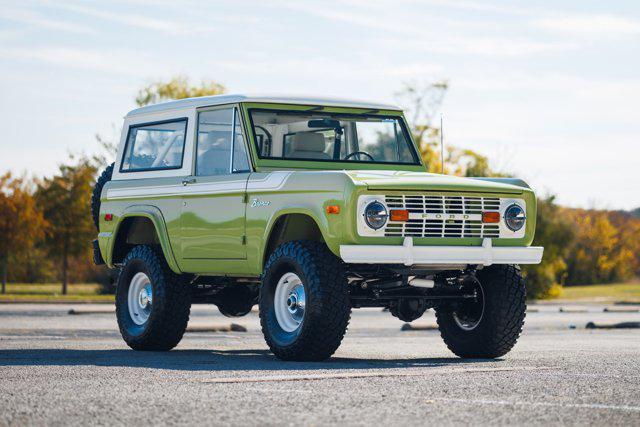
(289,302)
(140,298)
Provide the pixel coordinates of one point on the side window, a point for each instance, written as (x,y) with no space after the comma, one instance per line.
(240,157)
(154,146)
(215,137)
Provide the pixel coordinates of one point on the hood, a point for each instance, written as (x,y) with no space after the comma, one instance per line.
(423,181)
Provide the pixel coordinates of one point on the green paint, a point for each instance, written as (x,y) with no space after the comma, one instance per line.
(227,232)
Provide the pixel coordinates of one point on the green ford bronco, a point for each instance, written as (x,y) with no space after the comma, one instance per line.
(308,208)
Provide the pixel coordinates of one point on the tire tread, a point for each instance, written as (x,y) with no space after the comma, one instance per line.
(325,323)
(171,299)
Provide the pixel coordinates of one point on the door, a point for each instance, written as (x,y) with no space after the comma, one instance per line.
(213,199)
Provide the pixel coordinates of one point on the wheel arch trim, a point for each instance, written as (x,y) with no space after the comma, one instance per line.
(277,216)
(153,214)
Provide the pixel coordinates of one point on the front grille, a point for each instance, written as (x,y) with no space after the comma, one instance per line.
(467,212)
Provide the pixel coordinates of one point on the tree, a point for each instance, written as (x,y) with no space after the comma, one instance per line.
(554,231)
(21,224)
(178,87)
(422,102)
(64,200)
(602,252)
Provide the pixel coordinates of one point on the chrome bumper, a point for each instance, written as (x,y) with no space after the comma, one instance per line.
(408,254)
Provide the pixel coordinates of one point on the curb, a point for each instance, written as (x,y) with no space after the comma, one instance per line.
(106,310)
(233,327)
(572,310)
(39,301)
(410,327)
(621,325)
(622,309)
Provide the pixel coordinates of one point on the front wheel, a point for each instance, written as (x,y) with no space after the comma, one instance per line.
(488,325)
(152,302)
(304,302)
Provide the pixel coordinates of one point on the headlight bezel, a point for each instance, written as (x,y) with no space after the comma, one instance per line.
(375,209)
(515,217)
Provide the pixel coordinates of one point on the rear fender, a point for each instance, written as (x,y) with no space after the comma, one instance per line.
(107,243)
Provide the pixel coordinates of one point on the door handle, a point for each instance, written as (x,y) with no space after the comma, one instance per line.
(188,181)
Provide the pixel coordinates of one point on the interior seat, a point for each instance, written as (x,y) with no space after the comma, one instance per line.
(308,145)
(214,159)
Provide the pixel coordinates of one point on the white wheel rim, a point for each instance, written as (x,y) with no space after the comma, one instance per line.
(140,298)
(289,302)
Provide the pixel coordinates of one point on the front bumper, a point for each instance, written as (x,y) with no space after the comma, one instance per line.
(408,254)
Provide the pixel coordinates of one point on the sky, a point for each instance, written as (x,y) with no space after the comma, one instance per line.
(548,90)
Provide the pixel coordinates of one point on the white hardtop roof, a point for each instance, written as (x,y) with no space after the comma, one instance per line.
(206,101)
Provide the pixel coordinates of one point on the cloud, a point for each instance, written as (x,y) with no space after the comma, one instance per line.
(144,22)
(84,59)
(43,22)
(435,35)
(591,25)
(177,25)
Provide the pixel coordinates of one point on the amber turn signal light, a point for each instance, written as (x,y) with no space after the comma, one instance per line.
(399,215)
(333,209)
(491,217)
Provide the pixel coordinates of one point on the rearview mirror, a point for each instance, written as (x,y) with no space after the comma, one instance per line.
(324,123)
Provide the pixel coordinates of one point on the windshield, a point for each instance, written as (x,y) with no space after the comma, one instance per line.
(331,137)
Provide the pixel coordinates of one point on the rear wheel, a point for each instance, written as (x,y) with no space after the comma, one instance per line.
(304,302)
(152,302)
(488,325)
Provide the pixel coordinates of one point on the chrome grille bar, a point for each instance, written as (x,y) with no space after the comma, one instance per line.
(439,225)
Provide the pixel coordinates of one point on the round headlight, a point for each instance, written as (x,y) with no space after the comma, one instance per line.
(514,217)
(375,215)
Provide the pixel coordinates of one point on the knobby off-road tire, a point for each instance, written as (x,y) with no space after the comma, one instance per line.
(104,177)
(161,325)
(501,321)
(326,309)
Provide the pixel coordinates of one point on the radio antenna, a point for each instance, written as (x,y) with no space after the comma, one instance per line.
(441,145)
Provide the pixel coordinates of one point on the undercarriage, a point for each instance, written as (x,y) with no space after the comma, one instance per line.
(406,292)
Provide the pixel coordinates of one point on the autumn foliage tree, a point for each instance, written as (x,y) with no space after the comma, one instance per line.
(64,201)
(422,102)
(178,87)
(21,224)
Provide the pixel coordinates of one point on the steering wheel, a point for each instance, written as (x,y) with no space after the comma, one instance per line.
(359,153)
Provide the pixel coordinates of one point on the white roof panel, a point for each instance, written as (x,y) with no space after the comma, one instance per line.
(206,101)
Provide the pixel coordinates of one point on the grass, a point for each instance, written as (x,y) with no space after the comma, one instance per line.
(52,292)
(88,292)
(629,292)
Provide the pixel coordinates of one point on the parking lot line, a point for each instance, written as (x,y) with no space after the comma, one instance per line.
(550,404)
(352,375)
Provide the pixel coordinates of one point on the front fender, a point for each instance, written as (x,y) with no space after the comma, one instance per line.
(107,240)
(329,227)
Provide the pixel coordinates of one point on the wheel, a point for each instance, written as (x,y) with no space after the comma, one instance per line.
(304,302)
(152,302)
(105,177)
(489,325)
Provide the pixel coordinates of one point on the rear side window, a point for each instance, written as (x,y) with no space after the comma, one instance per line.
(155,146)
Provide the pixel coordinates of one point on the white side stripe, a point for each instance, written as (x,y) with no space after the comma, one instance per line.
(272,182)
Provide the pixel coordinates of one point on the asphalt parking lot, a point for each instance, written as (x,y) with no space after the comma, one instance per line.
(61,369)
